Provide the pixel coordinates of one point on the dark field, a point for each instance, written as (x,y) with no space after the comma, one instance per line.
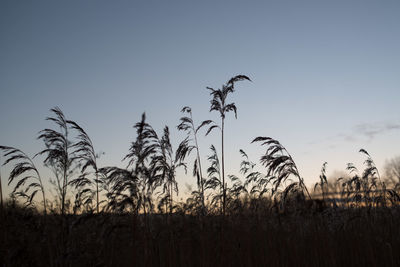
(302,237)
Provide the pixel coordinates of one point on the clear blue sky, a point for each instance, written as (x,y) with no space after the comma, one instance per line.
(326,74)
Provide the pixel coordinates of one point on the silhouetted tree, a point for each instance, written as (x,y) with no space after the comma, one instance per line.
(392,172)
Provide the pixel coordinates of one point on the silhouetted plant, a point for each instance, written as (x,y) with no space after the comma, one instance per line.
(253,188)
(1,189)
(351,188)
(323,182)
(166,162)
(280,164)
(255,185)
(293,190)
(219,104)
(142,153)
(124,191)
(85,154)
(194,203)
(133,188)
(376,192)
(24,170)
(364,188)
(83,199)
(162,202)
(255,182)
(371,171)
(58,151)
(56,180)
(214,180)
(190,143)
(234,202)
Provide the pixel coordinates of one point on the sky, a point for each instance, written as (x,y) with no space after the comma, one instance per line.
(325,75)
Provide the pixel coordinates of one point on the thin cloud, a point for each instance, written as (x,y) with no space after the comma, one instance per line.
(370,130)
(366,130)
(347,137)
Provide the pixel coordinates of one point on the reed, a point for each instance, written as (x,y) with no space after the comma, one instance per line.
(265,215)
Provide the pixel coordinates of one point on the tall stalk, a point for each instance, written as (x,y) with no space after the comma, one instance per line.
(218,103)
(323,182)
(214,177)
(58,150)
(134,186)
(1,190)
(140,155)
(84,152)
(166,163)
(223,169)
(185,147)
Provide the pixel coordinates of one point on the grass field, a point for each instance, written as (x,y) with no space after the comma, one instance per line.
(302,237)
(264,216)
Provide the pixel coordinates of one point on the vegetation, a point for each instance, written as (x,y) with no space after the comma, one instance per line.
(111,216)
(24,170)
(189,144)
(218,103)
(58,153)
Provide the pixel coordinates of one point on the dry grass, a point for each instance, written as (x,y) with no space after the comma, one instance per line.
(302,237)
(267,217)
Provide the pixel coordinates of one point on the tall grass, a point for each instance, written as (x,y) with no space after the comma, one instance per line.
(189,144)
(58,151)
(280,165)
(220,105)
(167,161)
(265,215)
(84,152)
(24,171)
(1,189)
